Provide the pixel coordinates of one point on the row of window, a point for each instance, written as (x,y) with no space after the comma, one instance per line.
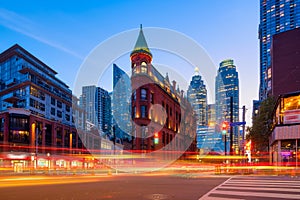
(143,95)
(143,68)
(59,114)
(59,104)
(36,104)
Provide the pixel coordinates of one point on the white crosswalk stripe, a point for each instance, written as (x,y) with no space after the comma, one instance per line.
(242,188)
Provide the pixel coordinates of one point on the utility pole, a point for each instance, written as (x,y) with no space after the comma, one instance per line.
(243,136)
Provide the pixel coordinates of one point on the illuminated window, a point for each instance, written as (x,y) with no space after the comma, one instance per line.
(144,69)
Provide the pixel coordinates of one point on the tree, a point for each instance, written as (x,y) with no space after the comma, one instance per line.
(262,123)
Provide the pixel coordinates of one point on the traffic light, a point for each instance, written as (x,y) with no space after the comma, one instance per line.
(224,127)
(156,138)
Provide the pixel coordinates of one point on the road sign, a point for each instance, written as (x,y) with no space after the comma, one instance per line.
(237,123)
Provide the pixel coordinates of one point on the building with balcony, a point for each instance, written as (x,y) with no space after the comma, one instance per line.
(36,111)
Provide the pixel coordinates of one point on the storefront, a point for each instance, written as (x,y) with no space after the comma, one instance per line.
(285,137)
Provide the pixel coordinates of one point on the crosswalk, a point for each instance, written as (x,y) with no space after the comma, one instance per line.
(250,188)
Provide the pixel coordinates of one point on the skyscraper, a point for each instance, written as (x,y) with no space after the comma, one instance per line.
(97,104)
(103,110)
(197,96)
(227,88)
(121,103)
(276,16)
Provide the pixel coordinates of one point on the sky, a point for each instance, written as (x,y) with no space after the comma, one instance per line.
(62,34)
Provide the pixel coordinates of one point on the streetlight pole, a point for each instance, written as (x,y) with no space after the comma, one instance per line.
(231,128)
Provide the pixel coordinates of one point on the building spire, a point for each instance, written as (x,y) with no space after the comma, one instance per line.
(197,71)
(141,45)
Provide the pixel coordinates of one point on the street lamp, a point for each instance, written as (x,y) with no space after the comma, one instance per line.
(35,135)
(49,165)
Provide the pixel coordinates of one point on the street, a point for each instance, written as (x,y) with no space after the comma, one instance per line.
(149,186)
(125,187)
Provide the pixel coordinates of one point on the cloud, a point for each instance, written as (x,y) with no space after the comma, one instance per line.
(20,24)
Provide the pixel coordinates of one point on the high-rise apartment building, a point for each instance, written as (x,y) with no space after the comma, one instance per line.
(97,104)
(227,88)
(103,108)
(276,16)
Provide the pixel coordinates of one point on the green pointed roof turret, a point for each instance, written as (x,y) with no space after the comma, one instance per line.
(141,44)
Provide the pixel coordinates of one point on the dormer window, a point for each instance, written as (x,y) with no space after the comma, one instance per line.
(144,68)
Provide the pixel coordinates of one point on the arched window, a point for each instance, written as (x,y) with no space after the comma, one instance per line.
(144,68)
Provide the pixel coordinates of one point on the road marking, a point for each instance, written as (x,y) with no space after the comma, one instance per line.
(263,189)
(264,185)
(250,187)
(220,198)
(258,194)
(206,196)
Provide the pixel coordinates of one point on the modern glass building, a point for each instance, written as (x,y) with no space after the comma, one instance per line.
(227,87)
(121,103)
(276,16)
(197,96)
(35,107)
(97,104)
(103,108)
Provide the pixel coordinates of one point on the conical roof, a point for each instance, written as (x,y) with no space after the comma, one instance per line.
(141,45)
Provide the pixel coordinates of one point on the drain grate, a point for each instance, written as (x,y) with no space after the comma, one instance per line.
(157,196)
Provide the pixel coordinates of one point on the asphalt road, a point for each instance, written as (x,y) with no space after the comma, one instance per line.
(135,187)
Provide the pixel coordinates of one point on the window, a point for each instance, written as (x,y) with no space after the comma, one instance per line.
(143,94)
(53,111)
(134,95)
(59,113)
(67,117)
(52,101)
(67,108)
(152,97)
(143,111)
(144,68)
(59,104)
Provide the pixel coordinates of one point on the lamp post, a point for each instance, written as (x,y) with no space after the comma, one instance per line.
(49,164)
